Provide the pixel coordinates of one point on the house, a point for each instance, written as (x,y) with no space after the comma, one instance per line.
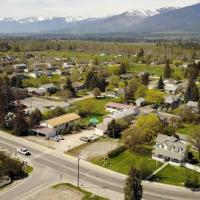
(114,107)
(111,94)
(101,129)
(172,101)
(20,67)
(18,93)
(78,86)
(127,114)
(36,91)
(194,105)
(170,86)
(170,149)
(67,65)
(127,76)
(56,125)
(49,87)
(140,102)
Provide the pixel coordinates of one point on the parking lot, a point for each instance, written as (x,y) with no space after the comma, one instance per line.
(70,141)
(42,103)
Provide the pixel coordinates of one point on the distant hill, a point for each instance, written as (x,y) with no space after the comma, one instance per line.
(116,23)
(132,22)
(185,19)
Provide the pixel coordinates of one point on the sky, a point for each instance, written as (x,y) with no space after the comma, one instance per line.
(86,8)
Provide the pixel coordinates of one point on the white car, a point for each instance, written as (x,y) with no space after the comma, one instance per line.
(55,139)
(23,151)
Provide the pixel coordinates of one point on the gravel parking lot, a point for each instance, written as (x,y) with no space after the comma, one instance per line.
(42,103)
(71,141)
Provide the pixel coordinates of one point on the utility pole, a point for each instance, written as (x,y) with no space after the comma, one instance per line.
(78,177)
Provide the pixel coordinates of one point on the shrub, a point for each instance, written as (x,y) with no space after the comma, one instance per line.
(116,151)
(191,180)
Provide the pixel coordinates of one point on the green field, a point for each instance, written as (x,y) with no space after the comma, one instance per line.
(175,175)
(97,106)
(36,82)
(123,163)
(157,70)
(152,69)
(126,160)
(188,129)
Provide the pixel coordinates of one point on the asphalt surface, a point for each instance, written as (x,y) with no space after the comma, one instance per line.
(51,167)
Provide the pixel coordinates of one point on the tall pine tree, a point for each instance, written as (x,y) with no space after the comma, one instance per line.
(192,92)
(160,84)
(167,70)
(133,189)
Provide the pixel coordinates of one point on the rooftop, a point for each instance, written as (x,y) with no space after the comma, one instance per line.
(119,105)
(63,119)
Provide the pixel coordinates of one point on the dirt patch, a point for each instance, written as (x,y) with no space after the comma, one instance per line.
(98,148)
(60,193)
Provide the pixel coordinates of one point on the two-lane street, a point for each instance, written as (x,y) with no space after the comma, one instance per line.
(50,166)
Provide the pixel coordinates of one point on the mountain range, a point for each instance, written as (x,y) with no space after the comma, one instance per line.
(162,20)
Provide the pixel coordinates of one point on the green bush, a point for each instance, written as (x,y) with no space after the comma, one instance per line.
(192,181)
(116,151)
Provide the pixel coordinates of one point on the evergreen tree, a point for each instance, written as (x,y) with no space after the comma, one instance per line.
(192,92)
(193,72)
(96,61)
(122,68)
(141,53)
(167,70)
(4,97)
(20,125)
(35,117)
(114,129)
(160,84)
(69,86)
(145,78)
(133,189)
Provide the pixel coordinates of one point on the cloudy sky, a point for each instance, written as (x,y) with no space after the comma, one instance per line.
(85,8)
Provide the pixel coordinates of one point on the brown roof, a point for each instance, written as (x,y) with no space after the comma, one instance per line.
(63,119)
(119,105)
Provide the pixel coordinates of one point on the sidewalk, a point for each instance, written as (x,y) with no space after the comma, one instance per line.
(159,169)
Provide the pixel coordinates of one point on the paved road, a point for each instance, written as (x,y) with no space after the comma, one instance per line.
(49,165)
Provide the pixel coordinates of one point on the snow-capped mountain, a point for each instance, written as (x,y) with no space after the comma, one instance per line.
(129,21)
(142,13)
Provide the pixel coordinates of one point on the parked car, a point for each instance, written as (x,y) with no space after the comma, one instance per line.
(85,139)
(55,139)
(93,138)
(60,137)
(23,151)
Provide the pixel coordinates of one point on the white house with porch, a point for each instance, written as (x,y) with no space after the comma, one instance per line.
(170,149)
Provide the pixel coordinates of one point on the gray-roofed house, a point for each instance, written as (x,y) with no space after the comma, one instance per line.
(140,102)
(172,101)
(170,149)
(194,105)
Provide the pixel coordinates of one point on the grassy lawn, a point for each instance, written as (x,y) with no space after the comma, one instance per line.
(153,69)
(175,175)
(123,162)
(156,70)
(36,82)
(97,105)
(87,195)
(188,129)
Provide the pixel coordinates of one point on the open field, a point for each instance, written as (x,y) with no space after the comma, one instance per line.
(188,129)
(175,175)
(123,162)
